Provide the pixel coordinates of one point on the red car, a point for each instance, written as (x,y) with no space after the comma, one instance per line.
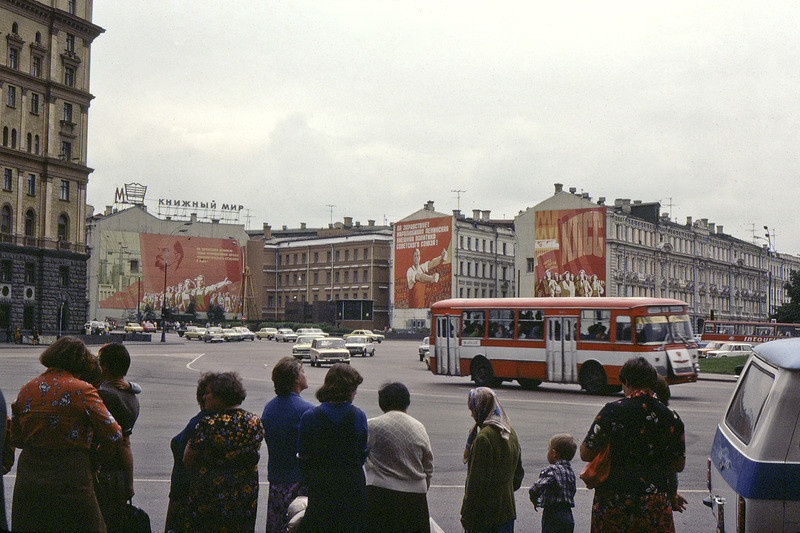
(148,327)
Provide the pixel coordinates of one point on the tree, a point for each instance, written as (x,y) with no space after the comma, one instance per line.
(216,315)
(191,309)
(149,314)
(790,312)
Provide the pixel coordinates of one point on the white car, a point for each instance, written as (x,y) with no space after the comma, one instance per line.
(285,335)
(266,333)
(230,334)
(360,345)
(213,334)
(311,331)
(246,334)
(328,350)
(376,337)
(731,349)
(303,345)
(194,332)
(424,348)
(713,345)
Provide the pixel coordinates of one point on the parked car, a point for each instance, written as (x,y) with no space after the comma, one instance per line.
(213,334)
(376,337)
(311,331)
(360,345)
(302,345)
(230,334)
(266,333)
(712,345)
(424,348)
(148,327)
(285,335)
(133,327)
(193,332)
(731,349)
(326,350)
(96,327)
(246,334)
(755,456)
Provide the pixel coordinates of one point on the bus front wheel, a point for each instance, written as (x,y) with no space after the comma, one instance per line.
(593,378)
(482,373)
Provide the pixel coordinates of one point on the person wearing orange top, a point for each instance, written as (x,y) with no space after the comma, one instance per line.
(58,420)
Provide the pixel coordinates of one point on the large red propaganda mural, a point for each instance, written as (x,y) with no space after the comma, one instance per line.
(422,262)
(199,269)
(570,252)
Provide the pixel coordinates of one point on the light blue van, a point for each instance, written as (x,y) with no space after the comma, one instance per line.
(754,466)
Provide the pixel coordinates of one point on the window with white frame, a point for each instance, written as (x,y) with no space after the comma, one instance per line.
(64,193)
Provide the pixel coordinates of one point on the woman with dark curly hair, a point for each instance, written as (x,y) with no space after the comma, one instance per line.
(332,449)
(647,447)
(221,457)
(57,419)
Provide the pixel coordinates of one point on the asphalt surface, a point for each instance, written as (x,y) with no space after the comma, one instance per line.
(168,374)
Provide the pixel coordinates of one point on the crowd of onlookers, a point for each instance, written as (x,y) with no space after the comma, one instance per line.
(330,469)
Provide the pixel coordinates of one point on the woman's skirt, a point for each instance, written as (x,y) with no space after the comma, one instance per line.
(54,491)
(400,512)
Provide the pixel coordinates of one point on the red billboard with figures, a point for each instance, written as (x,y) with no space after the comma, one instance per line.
(570,252)
(199,270)
(422,262)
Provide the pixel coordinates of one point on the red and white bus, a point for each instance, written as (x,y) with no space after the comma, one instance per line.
(752,332)
(562,340)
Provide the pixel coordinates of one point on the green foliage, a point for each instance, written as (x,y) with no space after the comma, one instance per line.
(191,309)
(216,315)
(149,315)
(722,365)
(790,312)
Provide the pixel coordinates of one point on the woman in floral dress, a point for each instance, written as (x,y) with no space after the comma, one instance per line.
(647,447)
(222,459)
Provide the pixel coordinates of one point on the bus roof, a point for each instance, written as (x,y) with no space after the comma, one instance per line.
(783,353)
(585,302)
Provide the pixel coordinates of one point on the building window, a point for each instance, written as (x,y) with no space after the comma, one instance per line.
(63,276)
(13,138)
(31,184)
(366,275)
(531,264)
(355,254)
(66,152)
(63,228)
(5,270)
(11,96)
(36,66)
(337,256)
(70,42)
(347,276)
(5,136)
(30,223)
(134,266)
(30,143)
(355,276)
(64,195)
(347,255)
(69,76)
(36,144)
(67,112)
(5,219)
(8,179)
(30,273)
(13,57)
(316,257)
(366,253)
(71,7)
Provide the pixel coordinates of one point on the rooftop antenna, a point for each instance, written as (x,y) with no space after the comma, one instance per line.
(458,196)
(331,206)
(247,217)
(670,205)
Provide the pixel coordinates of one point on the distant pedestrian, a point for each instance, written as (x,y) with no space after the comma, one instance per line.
(281,419)
(554,492)
(494,467)
(399,466)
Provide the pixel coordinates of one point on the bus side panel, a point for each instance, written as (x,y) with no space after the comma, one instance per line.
(533,370)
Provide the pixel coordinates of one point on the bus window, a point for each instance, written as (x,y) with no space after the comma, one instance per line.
(725,329)
(501,323)
(473,323)
(651,329)
(530,324)
(623,329)
(681,328)
(788,331)
(764,331)
(708,327)
(595,325)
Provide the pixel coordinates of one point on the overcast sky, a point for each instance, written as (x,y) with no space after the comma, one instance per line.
(377,107)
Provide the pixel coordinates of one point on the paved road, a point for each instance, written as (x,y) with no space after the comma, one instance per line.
(168,374)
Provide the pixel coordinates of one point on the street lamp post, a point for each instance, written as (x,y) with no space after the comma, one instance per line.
(179,229)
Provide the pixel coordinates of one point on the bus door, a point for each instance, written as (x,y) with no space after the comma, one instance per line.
(446,345)
(561,349)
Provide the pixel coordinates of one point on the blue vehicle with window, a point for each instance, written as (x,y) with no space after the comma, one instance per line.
(754,465)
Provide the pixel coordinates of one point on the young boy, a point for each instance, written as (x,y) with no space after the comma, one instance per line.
(554,492)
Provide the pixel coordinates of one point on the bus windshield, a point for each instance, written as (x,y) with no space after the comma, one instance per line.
(660,329)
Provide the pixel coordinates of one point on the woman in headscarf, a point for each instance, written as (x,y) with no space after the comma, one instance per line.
(494,467)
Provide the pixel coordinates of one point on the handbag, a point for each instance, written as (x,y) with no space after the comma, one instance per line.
(134,519)
(596,471)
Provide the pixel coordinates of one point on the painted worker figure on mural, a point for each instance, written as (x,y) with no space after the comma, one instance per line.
(419,275)
(202,292)
(550,284)
(598,288)
(584,284)
(568,285)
